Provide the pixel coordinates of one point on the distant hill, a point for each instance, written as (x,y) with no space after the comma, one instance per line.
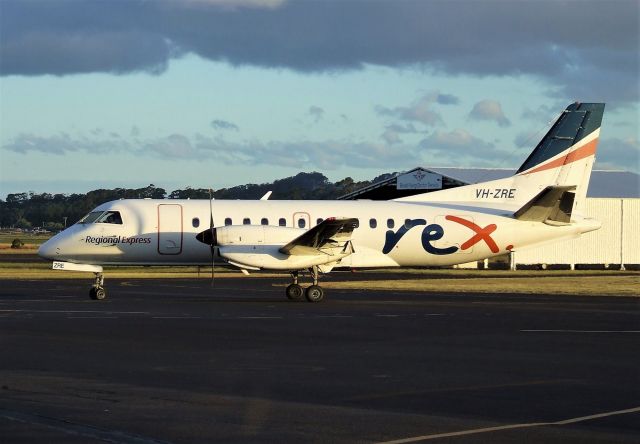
(30,210)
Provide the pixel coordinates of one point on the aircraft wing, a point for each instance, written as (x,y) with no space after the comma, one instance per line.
(330,236)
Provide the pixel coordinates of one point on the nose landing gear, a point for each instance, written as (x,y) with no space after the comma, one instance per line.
(97,291)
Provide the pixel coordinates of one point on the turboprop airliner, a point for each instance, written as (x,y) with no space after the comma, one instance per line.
(544,201)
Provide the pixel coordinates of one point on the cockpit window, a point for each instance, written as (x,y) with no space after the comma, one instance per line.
(110,217)
(91,217)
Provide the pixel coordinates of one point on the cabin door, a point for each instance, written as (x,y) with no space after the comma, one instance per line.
(301,220)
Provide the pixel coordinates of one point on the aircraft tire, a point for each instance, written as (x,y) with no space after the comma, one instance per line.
(315,293)
(101,293)
(294,292)
(97,293)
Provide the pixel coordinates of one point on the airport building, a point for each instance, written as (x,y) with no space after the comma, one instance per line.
(613,198)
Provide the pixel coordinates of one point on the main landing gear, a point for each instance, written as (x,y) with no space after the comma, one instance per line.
(97,291)
(314,293)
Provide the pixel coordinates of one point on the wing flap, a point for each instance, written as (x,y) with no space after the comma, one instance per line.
(331,236)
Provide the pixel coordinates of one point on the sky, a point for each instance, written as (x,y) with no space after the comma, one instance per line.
(217,93)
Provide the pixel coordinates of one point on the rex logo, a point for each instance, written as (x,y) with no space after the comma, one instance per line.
(434,232)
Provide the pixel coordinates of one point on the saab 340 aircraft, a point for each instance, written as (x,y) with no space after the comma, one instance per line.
(544,201)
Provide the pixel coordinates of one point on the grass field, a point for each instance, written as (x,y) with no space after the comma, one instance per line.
(587,283)
(31,242)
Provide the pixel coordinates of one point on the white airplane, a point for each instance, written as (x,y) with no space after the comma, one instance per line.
(544,201)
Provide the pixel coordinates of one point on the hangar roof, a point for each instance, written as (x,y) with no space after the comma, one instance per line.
(604,183)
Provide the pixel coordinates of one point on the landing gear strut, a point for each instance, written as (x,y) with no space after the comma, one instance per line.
(314,293)
(97,291)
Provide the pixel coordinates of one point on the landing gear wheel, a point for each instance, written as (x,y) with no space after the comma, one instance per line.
(97,293)
(294,292)
(314,293)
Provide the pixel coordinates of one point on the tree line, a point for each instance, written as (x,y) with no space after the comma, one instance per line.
(54,211)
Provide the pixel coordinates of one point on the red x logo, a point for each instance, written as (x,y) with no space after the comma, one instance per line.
(481,233)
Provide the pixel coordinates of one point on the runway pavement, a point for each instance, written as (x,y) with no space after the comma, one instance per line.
(175,361)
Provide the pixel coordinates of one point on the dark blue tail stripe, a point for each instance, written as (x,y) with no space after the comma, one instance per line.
(576,122)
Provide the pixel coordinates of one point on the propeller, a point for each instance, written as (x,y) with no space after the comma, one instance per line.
(212,244)
(209,237)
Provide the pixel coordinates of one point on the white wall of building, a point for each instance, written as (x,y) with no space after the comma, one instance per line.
(617,242)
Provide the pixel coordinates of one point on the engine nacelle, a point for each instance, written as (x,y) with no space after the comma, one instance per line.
(269,257)
(249,235)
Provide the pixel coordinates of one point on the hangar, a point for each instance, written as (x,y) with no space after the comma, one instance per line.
(613,197)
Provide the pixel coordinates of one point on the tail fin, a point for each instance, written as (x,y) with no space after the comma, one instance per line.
(563,159)
(565,156)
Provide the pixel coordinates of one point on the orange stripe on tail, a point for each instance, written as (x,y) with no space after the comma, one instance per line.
(587,150)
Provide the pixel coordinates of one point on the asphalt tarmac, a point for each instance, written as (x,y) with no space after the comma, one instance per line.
(175,361)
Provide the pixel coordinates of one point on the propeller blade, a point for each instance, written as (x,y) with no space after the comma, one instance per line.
(212,238)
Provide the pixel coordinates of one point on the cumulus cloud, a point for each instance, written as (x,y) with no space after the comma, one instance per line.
(419,111)
(391,134)
(496,38)
(489,110)
(224,125)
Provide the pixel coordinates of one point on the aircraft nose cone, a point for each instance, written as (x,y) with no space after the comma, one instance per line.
(49,250)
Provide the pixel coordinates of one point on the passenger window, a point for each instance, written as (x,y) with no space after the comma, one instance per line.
(264,221)
(110,217)
(407,223)
(319,221)
(373,223)
(195,222)
(246,221)
(228,221)
(282,222)
(302,223)
(390,223)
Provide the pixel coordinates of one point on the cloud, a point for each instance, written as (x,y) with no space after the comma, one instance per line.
(527,37)
(174,146)
(489,110)
(391,134)
(528,139)
(459,148)
(419,111)
(316,113)
(447,99)
(63,143)
(544,113)
(329,154)
(615,153)
(224,125)
(235,4)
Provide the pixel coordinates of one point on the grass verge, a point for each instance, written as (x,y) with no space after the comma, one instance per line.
(586,283)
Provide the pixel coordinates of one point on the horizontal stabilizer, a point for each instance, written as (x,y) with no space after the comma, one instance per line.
(328,234)
(552,205)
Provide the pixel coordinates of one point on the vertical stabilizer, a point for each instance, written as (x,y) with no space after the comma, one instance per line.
(562,160)
(565,156)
